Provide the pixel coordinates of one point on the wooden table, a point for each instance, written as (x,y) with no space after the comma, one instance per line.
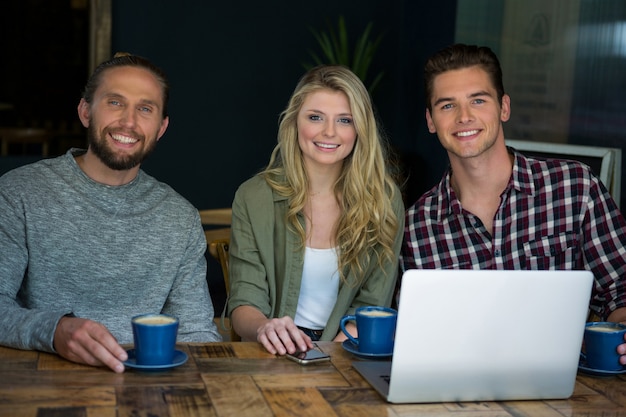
(241,379)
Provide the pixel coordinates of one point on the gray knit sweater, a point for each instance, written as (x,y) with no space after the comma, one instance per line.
(71,245)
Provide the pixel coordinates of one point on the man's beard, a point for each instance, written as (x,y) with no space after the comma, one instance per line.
(100,147)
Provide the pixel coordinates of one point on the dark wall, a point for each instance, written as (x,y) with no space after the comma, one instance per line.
(233,66)
(44,56)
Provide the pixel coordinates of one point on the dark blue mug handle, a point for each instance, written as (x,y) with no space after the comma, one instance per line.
(344,320)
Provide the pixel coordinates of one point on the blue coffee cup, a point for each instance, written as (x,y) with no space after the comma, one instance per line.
(601,341)
(376,327)
(155,338)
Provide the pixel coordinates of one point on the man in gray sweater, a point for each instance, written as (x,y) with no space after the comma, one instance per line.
(88,239)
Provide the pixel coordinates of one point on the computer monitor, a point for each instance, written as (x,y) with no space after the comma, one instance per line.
(606,163)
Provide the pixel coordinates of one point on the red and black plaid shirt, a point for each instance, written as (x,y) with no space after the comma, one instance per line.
(554,214)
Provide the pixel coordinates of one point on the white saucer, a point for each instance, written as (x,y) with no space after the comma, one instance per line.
(354,349)
(179,359)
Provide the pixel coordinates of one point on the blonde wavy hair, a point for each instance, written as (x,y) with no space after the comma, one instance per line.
(365,189)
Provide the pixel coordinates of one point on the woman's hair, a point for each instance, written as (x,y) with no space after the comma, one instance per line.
(364,190)
(460,56)
(124,59)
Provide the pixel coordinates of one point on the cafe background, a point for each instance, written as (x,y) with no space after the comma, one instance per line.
(233,65)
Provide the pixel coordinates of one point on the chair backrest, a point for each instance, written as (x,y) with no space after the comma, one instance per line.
(218,239)
(218,249)
(216,217)
(22,138)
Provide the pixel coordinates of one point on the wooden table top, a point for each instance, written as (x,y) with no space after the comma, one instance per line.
(241,379)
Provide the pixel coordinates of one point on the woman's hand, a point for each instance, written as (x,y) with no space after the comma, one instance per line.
(351,328)
(281,336)
(278,336)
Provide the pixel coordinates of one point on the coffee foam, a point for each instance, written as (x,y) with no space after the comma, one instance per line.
(376,313)
(155,320)
(604,328)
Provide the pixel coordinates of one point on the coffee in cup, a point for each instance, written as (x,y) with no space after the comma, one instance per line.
(155,319)
(601,341)
(377,313)
(602,327)
(155,338)
(376,327)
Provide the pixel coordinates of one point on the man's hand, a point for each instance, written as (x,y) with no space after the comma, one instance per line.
(87,342)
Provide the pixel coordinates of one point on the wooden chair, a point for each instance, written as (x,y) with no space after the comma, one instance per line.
(216,223)
(24,137)
(219,250)
(218,239)
(216,217)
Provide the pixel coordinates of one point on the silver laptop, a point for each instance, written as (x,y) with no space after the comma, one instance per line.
(468,335)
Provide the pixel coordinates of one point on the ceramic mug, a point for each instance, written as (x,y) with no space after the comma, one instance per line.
(601,341)
(155,338)
(376,327)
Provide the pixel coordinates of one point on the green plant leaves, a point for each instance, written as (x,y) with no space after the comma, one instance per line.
(336,50)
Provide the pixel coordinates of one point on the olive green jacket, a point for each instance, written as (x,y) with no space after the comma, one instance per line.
(266,262)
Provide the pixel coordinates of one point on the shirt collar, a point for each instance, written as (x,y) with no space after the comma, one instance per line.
(521,181)
(522,176)
(450,204)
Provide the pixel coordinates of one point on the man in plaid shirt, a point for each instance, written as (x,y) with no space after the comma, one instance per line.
(495,208)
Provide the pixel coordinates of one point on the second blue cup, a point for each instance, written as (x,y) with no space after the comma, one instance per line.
(376,327)
(601,341)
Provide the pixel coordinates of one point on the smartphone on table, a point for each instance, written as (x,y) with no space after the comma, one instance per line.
(308,357)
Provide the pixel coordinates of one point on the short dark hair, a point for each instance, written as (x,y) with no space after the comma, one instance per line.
(460,56)
(124,59)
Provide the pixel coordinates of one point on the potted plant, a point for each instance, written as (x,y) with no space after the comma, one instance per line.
(336,49)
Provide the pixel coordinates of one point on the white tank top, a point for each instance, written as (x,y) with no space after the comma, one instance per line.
(318,291)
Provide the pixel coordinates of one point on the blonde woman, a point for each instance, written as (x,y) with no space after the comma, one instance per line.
(318,232)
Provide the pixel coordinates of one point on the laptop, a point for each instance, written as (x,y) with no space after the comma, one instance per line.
(484,335)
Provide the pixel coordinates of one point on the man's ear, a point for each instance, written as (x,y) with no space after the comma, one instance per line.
(83,112)
(505,111)
(164,124)
(429,122)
